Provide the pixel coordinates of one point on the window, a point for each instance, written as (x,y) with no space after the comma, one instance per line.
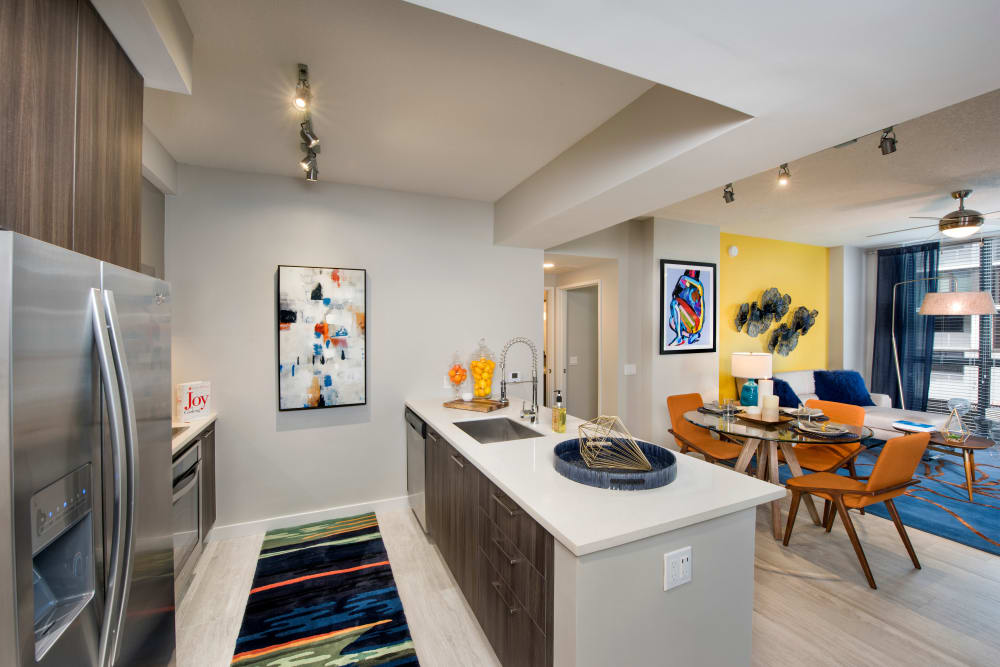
(966,358)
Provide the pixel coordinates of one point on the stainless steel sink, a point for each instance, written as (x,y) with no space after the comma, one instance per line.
(498,429)
(177,430)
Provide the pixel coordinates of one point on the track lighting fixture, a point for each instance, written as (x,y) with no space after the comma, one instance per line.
(302,95)
(727,193)
(887,144)
(784,175)
(309,138)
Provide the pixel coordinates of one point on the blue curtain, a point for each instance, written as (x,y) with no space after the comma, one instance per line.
(914,332)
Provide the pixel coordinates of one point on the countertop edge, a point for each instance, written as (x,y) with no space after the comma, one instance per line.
(587,548)
(195,428)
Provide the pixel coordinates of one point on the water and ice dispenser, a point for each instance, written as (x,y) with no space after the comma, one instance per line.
(62,551)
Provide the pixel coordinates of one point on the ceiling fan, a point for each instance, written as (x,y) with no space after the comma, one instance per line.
(958,224)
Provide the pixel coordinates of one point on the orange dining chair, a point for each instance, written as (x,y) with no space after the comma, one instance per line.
(831,457)
(892,474)
(693,437)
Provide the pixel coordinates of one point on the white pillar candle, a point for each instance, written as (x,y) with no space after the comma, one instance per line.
(769,410)
(764,388)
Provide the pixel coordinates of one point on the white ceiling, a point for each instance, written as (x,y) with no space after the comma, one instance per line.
(569,263)
(405,98)
(811,74)
(839,196)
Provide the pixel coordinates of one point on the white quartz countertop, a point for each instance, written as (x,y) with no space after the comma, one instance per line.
(179,441)
(583,518)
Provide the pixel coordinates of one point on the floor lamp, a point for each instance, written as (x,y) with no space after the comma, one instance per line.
(940,303)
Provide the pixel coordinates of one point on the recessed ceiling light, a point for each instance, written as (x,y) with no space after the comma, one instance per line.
(548,265)
(784,176)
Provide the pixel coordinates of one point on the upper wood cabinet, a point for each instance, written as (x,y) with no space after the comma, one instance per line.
(71,140)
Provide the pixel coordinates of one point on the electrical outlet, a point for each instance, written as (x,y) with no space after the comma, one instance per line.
(573,361)
(515,376)
(676,568)
(630,369)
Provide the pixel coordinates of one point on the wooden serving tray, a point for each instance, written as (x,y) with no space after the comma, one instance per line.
(782,419)
(476,405)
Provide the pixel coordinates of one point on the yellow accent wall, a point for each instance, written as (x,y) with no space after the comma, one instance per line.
(801,270)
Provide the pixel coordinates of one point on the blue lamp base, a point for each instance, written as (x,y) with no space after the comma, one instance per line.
(748,395)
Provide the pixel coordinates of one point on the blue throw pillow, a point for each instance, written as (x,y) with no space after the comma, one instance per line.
(842,387)
(787,398)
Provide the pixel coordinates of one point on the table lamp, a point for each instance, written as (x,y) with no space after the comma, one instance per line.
(753,366)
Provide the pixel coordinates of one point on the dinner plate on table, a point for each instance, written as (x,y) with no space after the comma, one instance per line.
(823,429)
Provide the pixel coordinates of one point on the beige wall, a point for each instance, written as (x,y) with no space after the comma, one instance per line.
(436,284)
(152,221)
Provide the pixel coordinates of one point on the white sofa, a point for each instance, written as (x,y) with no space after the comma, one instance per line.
(878,418)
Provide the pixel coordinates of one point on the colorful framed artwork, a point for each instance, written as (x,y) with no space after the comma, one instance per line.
(322,339)
(687,307)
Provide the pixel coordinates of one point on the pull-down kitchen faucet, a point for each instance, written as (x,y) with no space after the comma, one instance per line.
(533,413)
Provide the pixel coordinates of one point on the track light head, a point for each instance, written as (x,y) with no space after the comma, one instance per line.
(887,144)
(784,176)
(308,162)
(309,138)
(313,174)
(727,193)
(303,94)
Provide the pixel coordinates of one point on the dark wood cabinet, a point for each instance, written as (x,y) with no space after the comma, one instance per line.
(500,557)
(207,481)
(37,117)
(70,130)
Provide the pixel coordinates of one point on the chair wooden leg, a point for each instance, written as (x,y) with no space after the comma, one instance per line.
(855,542)
(684,448)
(793,509)
(828,525)
(894,513)
(826,511)
(852,470)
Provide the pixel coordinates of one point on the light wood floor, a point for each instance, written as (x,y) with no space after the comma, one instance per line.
(812,604)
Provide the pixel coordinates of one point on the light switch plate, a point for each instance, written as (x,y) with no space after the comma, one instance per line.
(573,361)
(676,568)
(630,369)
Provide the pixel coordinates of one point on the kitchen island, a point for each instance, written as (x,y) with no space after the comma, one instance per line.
(602,571)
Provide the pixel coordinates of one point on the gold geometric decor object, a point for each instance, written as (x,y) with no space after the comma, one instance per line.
(606,443)
(952,432)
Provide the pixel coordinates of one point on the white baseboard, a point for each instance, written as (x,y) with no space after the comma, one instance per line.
(262,525)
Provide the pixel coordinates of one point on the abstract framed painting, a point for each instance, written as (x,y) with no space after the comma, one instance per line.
(322,337)
(687,307)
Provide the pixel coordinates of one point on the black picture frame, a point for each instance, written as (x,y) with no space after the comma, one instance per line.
(277,329)
(664,347)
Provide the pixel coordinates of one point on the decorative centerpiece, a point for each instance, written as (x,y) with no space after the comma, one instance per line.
(606,443)
(953,433)
(608,457)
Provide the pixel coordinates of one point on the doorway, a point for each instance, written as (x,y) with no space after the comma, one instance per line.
(580,352)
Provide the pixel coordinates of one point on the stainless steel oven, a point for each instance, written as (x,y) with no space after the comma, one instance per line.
(187,505)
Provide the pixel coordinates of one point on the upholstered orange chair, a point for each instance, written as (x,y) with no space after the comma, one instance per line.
(690,436)
(831,457)
(892,474)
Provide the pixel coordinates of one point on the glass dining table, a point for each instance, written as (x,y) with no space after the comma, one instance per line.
(765,442)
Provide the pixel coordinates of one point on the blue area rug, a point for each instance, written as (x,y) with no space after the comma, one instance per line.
(940,504)
(323,594)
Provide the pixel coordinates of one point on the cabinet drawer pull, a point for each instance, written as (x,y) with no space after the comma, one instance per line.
(458,461)
(430,434)
(511,609)
(510,559)
(499,502)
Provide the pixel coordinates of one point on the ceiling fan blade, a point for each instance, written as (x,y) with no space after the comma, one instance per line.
(899,231)
(923,217)
(990,213)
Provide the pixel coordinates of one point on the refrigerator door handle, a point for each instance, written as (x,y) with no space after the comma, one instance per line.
(131,439)
(109,378)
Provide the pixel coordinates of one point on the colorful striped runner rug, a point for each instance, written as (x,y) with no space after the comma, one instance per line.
(323,594)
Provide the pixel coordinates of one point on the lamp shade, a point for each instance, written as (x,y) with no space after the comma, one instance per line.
(958,303)
(751,365)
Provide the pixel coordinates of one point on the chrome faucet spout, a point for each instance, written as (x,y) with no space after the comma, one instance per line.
(534,376)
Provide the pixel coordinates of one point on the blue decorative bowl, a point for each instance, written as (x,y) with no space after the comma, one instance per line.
(570,464)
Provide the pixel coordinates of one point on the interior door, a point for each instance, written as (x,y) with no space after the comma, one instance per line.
(582,312)
(143,306)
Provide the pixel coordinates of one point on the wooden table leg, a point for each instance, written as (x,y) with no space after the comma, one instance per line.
(793,464)
(749,447)
(774,478)
(970,470)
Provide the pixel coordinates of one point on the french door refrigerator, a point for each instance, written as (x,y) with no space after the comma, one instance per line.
(86,550)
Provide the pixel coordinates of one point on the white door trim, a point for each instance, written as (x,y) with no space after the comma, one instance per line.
(560,338)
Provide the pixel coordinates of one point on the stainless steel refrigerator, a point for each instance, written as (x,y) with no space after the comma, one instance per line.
(86,549)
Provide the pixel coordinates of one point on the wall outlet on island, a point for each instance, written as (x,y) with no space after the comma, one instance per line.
(676,568)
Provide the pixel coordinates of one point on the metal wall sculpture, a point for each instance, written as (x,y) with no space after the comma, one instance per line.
(757,318)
